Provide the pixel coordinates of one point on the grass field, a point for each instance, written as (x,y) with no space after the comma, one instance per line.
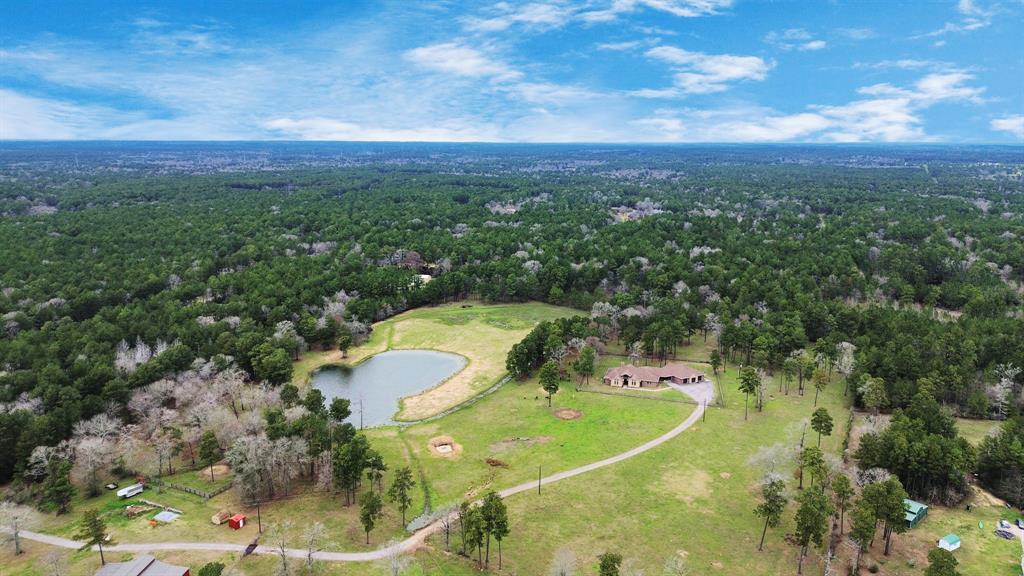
(481,333)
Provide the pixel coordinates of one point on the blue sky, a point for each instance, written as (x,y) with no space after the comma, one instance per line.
(540,71)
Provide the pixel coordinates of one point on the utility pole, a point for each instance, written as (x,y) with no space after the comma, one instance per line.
(538,479)
(259,520)
(704,417)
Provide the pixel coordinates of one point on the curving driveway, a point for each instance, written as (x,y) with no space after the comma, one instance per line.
(702,392)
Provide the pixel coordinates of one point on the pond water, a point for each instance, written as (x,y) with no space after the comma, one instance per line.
(380,382)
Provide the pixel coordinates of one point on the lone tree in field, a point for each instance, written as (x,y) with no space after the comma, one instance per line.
(344,340)
(13,519)
(811,522)
(821,422)
(842,493)
(750,381)
(92,531)
(584,364)
(209,451)
(773,504)
(609,563)
(716,361)
(398,493)
(549,379)
(820,381)
(370,510)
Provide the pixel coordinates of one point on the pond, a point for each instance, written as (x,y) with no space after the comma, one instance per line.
(380,382)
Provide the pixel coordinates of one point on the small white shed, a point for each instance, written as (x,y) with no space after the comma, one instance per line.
(949,542)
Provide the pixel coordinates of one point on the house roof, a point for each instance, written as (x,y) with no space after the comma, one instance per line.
(144,565)
(913,509)
(950,539)
(653,373)
(238,516)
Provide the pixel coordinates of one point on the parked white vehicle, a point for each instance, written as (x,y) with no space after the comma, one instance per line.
(130,491)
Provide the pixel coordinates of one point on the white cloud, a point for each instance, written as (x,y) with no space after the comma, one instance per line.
(318,128)
(534,14)
(889,114)
(972,17)
(1014,124)
(620,46)
(699,73)
(551,93)
(681,8)
(906,64)
(857,33)
(794,39)
(459,60)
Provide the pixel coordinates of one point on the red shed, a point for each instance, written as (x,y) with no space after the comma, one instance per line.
(237,521)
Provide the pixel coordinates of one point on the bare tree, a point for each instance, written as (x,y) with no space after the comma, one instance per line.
(277,536)
(564,563)
(395,559)
(675,566)
(55,562)
(313,537)
(14,518)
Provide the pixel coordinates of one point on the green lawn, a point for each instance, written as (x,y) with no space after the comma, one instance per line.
(976,430)
(692,496)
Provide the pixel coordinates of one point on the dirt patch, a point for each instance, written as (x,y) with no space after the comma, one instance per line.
(568,413)
(509,443)
(444,446)
(494,462)
(686,485)
(725,475)
(220,472)
(717,565)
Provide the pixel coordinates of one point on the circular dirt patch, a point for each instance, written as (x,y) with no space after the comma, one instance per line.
(444,446)
(220,472)
(568,413)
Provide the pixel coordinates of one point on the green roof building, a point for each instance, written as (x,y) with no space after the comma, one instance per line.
(949,542)
(915,512)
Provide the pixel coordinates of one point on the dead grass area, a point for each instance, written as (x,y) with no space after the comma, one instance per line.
(444,446)
(686,485)
(220,471)
(568,414)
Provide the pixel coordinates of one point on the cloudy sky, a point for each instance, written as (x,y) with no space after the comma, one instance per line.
(537,71)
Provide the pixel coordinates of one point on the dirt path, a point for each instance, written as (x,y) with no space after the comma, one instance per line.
(700,392)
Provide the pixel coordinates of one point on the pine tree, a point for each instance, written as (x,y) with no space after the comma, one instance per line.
(93,531)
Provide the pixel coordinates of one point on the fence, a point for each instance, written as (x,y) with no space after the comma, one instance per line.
(201,493)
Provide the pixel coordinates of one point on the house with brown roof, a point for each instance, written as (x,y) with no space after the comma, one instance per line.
(628,376)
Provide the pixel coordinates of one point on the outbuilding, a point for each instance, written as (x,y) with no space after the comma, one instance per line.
(949,542)
(914,512)
(129,491)
(237,521)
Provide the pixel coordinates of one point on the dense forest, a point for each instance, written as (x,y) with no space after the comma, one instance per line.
(125,264)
